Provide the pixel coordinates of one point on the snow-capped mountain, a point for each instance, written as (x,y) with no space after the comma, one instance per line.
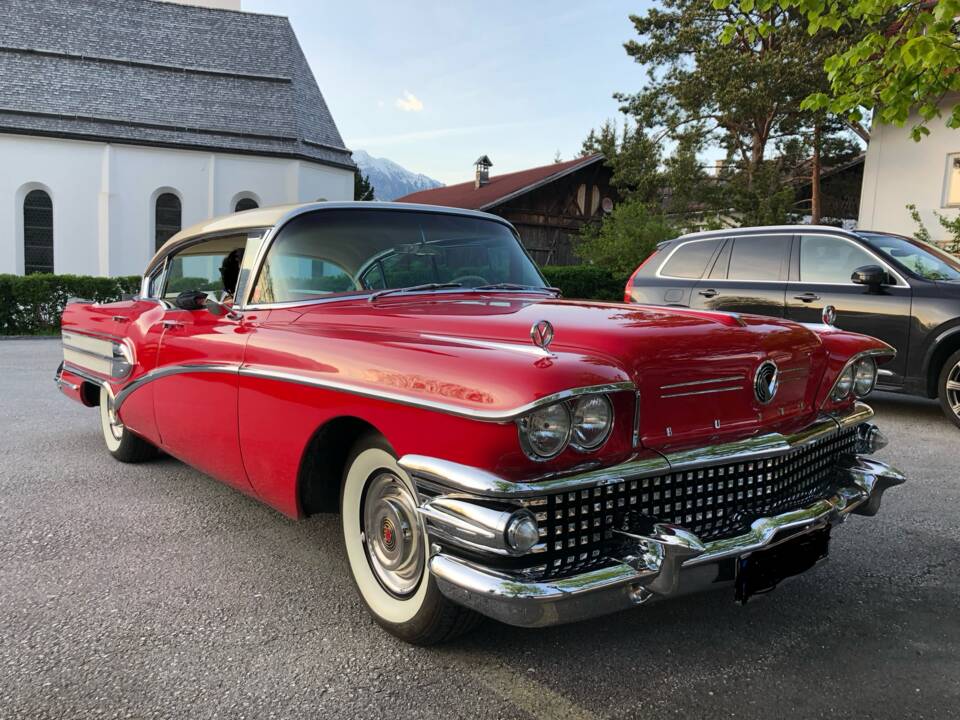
(390,180)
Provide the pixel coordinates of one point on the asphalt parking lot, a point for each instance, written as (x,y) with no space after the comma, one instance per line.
(153,591)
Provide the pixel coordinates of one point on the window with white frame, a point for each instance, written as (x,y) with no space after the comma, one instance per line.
(951,190)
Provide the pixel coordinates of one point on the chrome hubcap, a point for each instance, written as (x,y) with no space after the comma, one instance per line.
(391,534)
(953,389)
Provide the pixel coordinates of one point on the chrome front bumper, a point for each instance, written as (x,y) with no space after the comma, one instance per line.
(666,561)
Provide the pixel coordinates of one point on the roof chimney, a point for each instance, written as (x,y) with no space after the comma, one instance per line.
(483,166)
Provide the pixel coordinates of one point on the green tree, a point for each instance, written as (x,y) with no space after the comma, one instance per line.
(633,157)
(743,95)
(903,59)
(625,238)
(362,189)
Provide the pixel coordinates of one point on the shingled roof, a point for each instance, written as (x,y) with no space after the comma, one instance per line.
(499,188)
(158,73)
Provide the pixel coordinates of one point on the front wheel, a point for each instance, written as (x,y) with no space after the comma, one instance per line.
(122,444)
(388,551)
(948,389)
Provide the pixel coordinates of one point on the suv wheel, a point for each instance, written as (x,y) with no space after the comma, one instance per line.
(948,388)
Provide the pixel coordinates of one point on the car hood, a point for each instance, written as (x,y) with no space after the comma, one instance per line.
(694,370)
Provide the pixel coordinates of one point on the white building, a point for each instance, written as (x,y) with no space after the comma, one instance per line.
(123,120)
(899,171)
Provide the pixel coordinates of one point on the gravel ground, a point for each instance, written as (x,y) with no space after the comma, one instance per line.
(154,591)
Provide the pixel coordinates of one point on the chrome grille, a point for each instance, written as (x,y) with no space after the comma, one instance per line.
(713,502)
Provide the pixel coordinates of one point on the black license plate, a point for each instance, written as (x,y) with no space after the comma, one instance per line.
(762,571)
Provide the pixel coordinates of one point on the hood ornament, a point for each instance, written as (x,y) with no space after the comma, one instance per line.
(766,382)
(542,334)
(829,315)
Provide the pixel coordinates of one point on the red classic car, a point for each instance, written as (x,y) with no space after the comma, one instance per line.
(492,449)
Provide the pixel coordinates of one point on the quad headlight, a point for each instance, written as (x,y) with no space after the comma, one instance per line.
(858,377)
(864,376)
(583,423)
(592,422)
(545,432)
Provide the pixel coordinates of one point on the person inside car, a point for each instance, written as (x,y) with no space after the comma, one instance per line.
(230,273)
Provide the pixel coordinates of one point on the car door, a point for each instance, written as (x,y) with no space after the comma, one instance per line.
(820,272)
(748,276)
(200,353)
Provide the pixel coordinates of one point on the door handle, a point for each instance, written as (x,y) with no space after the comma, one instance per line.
(807,297)
(709,293)
(172,324)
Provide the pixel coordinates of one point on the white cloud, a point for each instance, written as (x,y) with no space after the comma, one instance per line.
(409,102)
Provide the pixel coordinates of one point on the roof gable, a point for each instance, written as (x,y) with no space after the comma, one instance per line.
(500,188)
(142,71)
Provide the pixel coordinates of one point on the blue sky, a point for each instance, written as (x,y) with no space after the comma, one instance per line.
(434,85)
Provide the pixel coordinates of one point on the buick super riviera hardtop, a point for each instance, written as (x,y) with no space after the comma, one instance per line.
(492,449)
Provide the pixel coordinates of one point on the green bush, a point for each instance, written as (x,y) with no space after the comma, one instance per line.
(32,304)
(625,238)
(586,282)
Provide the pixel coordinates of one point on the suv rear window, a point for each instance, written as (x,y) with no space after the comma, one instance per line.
(690,259)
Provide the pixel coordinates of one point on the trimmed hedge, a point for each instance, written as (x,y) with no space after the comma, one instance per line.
(586,282)
(32,304)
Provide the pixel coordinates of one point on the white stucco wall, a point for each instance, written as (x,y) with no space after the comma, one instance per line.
(898,171)
(104,194)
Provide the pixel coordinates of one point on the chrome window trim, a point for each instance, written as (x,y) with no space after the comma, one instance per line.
(496,416)
(267,241)
(734,235)
(673,251)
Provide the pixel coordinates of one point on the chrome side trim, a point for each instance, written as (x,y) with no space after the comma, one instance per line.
(137,383)
(711,391)
(388,396)
(99,353)
(450,476)
(730,378)
(668,562)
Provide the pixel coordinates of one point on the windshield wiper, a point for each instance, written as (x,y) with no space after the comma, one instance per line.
(516,286)
(414,288)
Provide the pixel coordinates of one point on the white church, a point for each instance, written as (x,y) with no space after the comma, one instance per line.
(122,121)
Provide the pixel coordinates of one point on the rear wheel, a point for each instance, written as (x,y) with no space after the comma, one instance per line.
(388,550)
(948,388)
(122,444)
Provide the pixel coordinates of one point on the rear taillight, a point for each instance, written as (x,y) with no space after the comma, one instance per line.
(627,297)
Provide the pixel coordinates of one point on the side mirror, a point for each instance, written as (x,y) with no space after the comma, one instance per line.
(873,276)
(191,300)
(214,307)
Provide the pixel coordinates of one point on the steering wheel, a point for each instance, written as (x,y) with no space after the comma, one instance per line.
(465,280)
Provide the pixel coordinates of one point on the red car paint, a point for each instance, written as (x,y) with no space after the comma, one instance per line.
(467,350)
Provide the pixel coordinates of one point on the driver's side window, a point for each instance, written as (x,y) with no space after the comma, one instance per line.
(211,266)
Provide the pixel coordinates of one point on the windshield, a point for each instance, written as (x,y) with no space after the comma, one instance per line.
(332,252)
(925,260)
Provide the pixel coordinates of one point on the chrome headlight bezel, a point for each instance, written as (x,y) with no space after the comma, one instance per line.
(586,447)
(526,424)
(843,385)
(867,381)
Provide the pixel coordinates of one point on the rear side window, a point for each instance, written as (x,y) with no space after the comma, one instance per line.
(758,257)
(690,259)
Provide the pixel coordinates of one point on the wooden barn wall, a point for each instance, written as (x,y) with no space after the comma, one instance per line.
(549,218)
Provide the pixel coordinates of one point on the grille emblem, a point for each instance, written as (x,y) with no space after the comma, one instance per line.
(766,382)
(542,334)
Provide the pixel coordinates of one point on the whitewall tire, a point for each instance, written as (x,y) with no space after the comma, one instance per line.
(121,443)
(388,551)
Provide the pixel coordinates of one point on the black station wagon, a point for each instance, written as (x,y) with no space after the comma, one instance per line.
(900,290)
